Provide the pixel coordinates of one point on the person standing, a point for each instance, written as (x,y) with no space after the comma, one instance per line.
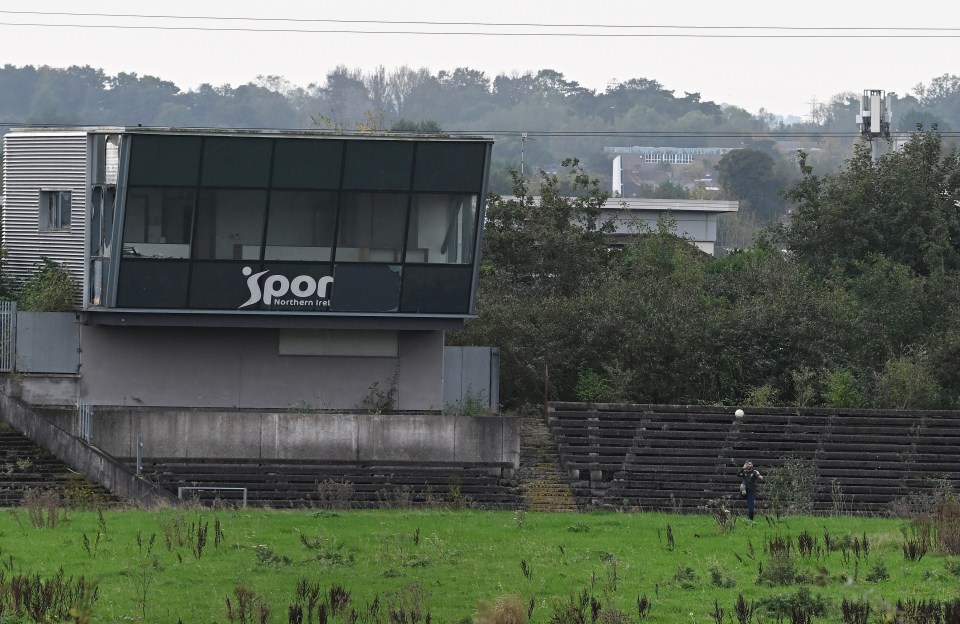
(749,476)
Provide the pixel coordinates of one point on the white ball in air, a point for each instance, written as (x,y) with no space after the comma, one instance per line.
(738,413)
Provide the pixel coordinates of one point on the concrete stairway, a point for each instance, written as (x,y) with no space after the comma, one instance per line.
(25,466)
(543,484)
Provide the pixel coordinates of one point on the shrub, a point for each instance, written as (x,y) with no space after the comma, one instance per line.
(380,400)
(907,382)
(762,396)
(791,486)
(878,572)
(504,610)
(784,605)
(841,390)
(613,386)
(946,524)
(49,289)
(781,569)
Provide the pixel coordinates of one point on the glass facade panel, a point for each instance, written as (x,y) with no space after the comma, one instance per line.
(371,227)
(220,285)
(301,225)
(230,225)
(158,223)
(436,289)
(449,166)
(307,164)
(164,160)
(236,162)
(366,288)
(378,165)
(442,229)
(153,283)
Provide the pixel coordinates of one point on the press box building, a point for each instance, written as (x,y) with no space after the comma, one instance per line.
(249,271)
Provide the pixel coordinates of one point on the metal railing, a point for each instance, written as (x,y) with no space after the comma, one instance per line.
(8,335)
(85,422)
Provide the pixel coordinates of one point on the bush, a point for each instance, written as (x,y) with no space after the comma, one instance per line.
(49,289)
(762,396)
(784,605)
(505,610)
(781,569)
(907,382)
(841,390)
(791,486)
(946,524)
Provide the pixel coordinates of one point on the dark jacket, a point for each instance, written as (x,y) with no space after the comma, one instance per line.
(749,478)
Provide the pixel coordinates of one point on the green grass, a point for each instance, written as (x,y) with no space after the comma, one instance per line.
(456,558)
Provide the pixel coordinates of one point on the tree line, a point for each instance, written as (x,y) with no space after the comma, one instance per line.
(460,99)
(855,302)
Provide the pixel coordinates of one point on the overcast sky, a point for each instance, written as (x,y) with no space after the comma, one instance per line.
(783,73)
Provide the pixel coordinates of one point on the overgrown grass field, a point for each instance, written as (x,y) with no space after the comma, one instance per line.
(398,566)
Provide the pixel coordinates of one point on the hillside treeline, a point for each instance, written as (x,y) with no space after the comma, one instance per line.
(854,303)
(461,99)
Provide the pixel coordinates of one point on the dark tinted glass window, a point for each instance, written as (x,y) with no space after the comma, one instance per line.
(230,225)
(442,229)
(236,162)
(164,160)
(301,225)
(436,289)
(450,167)
(307,163)
(378,165)
(366,288)
(221,285)
(158,223)
(152,283)
(371,227)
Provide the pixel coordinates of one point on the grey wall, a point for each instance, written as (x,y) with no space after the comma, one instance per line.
(294,435)
(242,368)
(471,372)
(48,342)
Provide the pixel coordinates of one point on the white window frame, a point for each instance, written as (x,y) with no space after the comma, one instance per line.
(55,208)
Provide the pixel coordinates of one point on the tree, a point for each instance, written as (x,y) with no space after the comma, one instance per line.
(750,176)
(551,241)
(902,207)
(540,254)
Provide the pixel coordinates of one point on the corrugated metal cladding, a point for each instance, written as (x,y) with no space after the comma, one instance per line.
(35,161)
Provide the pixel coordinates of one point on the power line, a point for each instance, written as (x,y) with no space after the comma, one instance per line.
(649,134)
(689,32)
(484,24)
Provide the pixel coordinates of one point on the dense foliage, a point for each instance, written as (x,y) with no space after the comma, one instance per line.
(855,302)
(49,289)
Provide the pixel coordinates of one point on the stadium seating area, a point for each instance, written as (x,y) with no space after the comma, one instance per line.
(680,458)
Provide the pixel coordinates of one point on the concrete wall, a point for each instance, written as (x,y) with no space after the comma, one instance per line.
(295,435)
(241,368)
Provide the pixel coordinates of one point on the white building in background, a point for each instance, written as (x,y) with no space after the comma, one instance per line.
(695,219)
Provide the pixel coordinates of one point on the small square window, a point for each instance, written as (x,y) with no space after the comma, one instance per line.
(54,211)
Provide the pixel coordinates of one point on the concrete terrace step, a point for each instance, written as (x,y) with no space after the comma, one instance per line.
(670,457)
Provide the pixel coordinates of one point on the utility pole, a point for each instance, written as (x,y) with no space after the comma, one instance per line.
(523,143)
(875,119)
